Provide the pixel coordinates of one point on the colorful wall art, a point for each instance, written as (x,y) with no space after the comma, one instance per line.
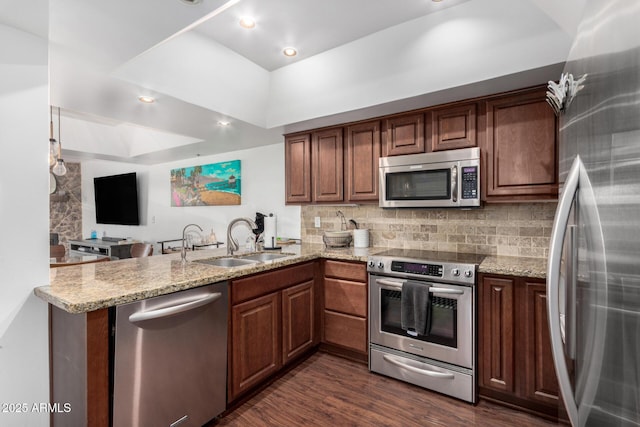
(216,184)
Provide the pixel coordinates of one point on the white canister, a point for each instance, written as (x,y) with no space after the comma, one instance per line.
(361,238)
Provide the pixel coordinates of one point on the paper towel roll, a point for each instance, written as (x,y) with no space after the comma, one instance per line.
(270,233)
(361,238)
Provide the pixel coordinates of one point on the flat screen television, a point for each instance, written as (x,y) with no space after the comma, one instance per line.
(116,199)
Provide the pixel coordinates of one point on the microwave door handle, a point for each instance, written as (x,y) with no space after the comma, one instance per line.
(454,183)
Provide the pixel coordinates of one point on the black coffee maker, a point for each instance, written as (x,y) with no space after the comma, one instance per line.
(260,225)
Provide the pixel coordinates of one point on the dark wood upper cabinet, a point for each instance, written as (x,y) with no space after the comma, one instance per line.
(521,148)
(517,133)
(403,135)
(327,163)
(297,160)
(361,162)
(452,127)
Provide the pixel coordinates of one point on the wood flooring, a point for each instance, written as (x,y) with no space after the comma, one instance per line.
(327,390)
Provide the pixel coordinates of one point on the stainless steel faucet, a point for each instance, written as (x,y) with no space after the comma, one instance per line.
(183,253)
(232,244)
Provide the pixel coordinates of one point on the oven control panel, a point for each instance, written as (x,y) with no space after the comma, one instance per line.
(433,270)
(451,272)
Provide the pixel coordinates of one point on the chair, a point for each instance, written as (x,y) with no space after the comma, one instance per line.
(57,251)
(139,250)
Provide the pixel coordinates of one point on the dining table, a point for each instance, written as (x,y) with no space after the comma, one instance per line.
(68,260)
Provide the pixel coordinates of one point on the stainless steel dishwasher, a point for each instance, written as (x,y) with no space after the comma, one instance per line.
(170,359)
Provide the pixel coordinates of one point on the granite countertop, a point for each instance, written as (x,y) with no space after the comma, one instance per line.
(84,288)
(514,266)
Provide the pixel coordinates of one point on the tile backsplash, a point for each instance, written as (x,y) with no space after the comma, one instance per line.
(521,229)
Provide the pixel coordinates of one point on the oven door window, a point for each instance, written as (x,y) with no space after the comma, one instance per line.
(443,318)
(419,185)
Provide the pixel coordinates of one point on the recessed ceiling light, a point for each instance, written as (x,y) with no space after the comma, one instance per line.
(191,2)
(247,22)
(289,51)
(436,1)
(223,123)
(146,99)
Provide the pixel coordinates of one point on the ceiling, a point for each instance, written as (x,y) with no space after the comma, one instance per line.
(356,59)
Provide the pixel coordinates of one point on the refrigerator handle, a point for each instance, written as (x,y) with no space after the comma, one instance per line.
(553,279)
(570,309)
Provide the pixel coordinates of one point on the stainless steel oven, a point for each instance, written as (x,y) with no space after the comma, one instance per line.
(446,179)
(443,357)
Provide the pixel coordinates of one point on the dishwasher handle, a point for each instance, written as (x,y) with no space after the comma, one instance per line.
(141,316)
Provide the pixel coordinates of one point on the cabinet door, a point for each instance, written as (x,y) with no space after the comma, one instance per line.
(255,342)
(328,165)
(496,338)
(452,127)
(297,320)
(361,166)
(521,148)
(297,159)
(404,135)
(539,378)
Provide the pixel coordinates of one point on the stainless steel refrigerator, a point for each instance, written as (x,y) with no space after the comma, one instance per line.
(593,277)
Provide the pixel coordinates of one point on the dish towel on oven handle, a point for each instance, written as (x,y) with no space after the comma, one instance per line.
(415,308)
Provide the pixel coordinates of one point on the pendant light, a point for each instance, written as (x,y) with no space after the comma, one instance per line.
(59,169)
(53,144)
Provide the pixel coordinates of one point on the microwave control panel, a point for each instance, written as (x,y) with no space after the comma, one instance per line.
(470,186)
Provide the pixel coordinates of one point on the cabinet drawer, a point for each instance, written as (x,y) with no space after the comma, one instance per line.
(264,283)
(346,270)
(345,296)
(345,330)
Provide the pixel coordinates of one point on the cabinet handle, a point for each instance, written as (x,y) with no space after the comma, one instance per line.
(428,372)
(176,309)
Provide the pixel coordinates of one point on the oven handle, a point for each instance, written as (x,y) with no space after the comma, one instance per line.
(435,374)
(398,286)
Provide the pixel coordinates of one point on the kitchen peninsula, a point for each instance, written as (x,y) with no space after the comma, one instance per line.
(88,293)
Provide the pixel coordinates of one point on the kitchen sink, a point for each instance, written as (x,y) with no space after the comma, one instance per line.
(226,262)
(264,256)
(241,260)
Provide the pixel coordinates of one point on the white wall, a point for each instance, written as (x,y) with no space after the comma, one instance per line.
(262,191)
(24,224)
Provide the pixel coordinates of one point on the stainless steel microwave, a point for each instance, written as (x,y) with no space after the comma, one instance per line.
(444,179)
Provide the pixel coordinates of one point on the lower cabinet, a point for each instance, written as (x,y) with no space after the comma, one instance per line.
(514,347)
(272,323)
(344,320)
